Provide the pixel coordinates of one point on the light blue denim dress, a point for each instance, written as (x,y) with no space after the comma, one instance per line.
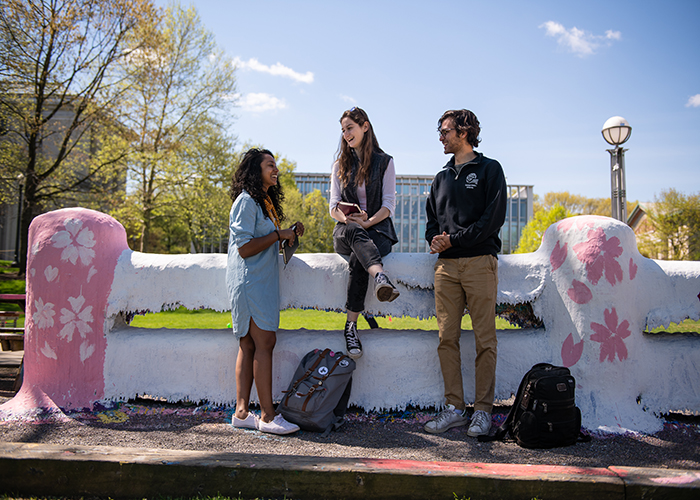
(253,283)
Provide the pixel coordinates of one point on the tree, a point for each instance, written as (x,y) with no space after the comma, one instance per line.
(675,220)
(206,202)
(579,205)
(531,237)
(181,88)
(56,89)
(311,210)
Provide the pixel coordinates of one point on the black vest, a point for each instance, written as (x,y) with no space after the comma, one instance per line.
(374,188)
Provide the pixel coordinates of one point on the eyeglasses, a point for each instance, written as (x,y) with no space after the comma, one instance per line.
(443,132)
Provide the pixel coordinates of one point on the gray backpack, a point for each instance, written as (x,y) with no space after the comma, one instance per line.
(318,395)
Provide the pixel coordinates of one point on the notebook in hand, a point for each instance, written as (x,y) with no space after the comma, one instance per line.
(348,208)
(288,250)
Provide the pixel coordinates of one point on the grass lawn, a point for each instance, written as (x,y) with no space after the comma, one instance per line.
(11,286)
(290,319)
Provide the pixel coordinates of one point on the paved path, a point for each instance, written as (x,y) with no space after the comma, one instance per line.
(166,450)
(40,469)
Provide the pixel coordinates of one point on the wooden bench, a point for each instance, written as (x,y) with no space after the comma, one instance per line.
(7,316)
(14,298)
(11,341)
(12,338)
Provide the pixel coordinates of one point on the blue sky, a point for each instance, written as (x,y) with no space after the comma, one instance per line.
(541,76)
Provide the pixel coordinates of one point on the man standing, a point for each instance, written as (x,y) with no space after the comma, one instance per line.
(466,209)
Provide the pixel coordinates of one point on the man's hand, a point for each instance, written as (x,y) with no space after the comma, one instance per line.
(440,243)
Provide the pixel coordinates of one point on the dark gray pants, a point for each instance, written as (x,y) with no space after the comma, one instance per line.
(366,247)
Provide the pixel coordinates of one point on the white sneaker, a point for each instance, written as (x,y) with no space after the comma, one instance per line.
(481,424)
(449,417)
(278,426)
(250,422)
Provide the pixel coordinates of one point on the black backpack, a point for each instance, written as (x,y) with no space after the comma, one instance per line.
(544,414)
(318,395)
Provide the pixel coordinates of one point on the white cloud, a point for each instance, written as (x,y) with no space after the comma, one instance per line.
(347,98)
(276,69)
(580,42)
(693,102)
(613,35)
(261,102)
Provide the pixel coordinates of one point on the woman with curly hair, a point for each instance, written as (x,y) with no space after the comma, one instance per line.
(252,279)
(363,176)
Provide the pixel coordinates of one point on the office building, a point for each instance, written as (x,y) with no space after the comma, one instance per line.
(409,218)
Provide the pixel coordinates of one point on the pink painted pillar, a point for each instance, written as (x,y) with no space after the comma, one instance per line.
(70,268)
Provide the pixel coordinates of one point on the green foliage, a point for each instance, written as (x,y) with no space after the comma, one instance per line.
(57,93)
(176,105)
(318,223)
(675,221)
(532,234)
(311,210)
(577,204)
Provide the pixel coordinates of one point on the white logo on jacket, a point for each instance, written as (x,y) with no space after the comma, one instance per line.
(471,181)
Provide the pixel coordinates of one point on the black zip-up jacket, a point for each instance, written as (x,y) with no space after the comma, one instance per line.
(469,206)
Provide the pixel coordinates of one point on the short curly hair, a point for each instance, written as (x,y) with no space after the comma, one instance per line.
(464,121)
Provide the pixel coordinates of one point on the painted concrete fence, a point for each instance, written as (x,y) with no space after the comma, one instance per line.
(588,283)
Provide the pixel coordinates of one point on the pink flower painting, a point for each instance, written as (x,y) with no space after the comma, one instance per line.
(611,336)
(577,222)
(76,241)
(558,255)
(570,352)
(579,292)
(633,269)
(599,254)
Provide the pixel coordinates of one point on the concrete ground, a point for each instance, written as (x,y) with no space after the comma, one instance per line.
(147,448)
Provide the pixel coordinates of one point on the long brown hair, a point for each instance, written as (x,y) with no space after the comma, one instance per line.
(248,176)
(344,156)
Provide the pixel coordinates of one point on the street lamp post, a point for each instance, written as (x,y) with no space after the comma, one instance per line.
(20,181)
(616,131)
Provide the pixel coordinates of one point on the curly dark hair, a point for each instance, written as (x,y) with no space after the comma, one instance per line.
(248,176)
(369,145)
(464,121)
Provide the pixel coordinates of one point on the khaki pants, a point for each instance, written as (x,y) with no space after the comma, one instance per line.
(471,281)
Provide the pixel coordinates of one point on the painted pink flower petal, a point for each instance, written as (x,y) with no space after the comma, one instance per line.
(48,352)
(599,256)
(611,336)
(571,352)
(569,222)
(86,238)
(73,225)
(566,224)
(61,239)
(623,330)
(50,273)
(595,270)
(633,269)
(558,255)
(610,316)
(579,292)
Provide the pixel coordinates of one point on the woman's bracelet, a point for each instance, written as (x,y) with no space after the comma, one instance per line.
(279,238)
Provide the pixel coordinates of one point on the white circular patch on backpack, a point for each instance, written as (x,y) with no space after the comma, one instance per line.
(344,363)
(323,370)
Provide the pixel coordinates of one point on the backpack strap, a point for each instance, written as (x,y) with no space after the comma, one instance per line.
(308,372)
(314,387)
